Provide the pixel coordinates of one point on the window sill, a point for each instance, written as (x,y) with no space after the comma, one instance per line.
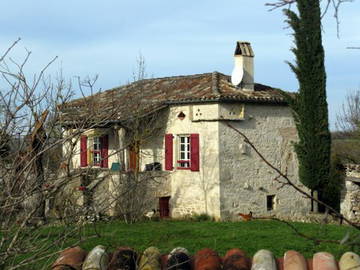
(94,167)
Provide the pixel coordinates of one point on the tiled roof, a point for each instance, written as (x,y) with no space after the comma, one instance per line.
(152,94)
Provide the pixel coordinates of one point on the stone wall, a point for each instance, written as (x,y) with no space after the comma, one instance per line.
(136,194)
(97,192)
(350,195)
(247,183)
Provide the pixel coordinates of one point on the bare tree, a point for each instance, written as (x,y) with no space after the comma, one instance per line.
(130,120)
(346,143)
(334,4)
(348,120)
(137,188)
(30,141)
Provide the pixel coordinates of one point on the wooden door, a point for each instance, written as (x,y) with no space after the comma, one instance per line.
(134,157)
(164,207)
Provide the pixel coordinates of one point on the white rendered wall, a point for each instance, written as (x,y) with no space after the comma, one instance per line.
(192,192)
(75,152)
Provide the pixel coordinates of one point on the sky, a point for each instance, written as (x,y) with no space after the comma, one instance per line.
(105,38)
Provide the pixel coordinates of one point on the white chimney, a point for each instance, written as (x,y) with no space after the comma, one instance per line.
(243,72)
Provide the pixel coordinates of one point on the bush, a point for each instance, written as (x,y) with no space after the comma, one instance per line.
(201,217)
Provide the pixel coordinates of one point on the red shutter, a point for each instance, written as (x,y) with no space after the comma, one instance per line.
(169,152)
(104,151)
(83,151)
(194,152)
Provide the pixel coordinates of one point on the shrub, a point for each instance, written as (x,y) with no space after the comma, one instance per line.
(201,217)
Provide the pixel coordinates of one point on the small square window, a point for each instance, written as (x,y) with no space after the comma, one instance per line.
(270,202)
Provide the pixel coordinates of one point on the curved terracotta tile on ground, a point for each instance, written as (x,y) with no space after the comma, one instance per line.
(71,257)
(207,259)
(309,264)
(323,261)
(178,250)
(124,258)
(179,261)
(163,261)
(280,263)
(97,259)
(235,259)
(349,261)
(150,259)
(293,260)
(263,260)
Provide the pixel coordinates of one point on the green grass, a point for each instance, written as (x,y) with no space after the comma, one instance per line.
(221,236)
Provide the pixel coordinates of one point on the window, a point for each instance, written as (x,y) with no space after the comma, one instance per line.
(270,202)
(186,152)
(94,151)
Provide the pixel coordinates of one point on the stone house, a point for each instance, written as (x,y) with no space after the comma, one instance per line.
(175,129)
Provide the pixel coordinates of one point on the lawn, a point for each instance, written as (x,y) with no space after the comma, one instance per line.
(221,236)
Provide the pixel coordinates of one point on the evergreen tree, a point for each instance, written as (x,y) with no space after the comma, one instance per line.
(309,105)
(331,192)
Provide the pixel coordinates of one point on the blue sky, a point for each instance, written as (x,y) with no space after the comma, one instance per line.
(175,37)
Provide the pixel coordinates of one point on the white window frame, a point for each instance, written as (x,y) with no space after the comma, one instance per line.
(96,151)
(183,155)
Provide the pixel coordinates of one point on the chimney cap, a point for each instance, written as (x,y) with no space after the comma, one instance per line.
(243,48)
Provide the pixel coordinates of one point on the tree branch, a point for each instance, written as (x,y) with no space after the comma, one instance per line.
(288,181)
(335,4)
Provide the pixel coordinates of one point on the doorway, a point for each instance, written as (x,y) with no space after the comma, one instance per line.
(164,207)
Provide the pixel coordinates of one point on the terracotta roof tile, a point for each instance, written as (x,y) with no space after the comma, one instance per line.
(148,95)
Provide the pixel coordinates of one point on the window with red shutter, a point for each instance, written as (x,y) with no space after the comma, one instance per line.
(169,152)
(94,152)
(183,161)
(95,157)
(83,151)
(194,152)
(187,152)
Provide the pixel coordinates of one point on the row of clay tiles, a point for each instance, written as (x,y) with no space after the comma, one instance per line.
(125,258)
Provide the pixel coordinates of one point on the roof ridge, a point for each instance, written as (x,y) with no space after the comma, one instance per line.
(164,78)
(131,84)
(215,83)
